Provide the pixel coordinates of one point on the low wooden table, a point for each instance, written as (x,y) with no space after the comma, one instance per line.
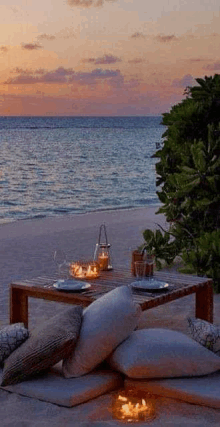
(180,286)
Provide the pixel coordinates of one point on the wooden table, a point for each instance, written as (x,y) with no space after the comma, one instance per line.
(180,286)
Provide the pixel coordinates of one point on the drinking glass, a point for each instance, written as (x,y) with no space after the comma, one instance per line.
(149,259)
(61,262)
(140,269)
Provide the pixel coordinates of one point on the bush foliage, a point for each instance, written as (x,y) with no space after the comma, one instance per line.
(188,177)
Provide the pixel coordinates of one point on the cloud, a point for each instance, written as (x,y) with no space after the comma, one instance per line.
(137,35)
(187,80)
(106,59)
(3,49)
(46,37)
(18,70)
(166,39)
(88,3)
(31,46)
(65,76)
(196,59)
(135,61)
(214,66)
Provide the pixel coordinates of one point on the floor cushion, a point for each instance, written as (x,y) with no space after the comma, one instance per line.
(11,337)
(205,333)
(203,390)
(162,353)
(106,323)
(54,388)
(46,346)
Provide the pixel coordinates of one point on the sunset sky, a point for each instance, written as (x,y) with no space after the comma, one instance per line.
(104,57)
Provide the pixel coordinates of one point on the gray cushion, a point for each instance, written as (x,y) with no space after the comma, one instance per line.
(203,390)
(106,323)
(54,388)
(205,333)
(162,353)
(11,337)
(47,345)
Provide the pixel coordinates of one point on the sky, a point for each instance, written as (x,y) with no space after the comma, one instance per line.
(104,57)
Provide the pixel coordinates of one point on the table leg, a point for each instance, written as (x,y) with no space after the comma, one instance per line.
(18,306)
(204,303)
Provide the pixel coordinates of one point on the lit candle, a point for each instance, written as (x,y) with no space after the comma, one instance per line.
(103,262)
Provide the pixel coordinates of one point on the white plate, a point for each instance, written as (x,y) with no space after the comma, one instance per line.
(150,284)
(71,285)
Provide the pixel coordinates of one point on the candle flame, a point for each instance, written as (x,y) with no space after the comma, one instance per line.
(84,271)
(130,408)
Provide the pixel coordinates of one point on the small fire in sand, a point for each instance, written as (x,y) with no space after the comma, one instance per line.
(130,406)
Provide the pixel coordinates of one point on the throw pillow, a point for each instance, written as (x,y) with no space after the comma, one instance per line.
(11,337)
(47,345)
(162,353)
(106,323)
(205,333)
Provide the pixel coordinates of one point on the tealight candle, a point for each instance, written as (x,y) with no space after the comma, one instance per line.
(103,262)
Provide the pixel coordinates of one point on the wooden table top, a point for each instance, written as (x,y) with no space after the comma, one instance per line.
(180,285)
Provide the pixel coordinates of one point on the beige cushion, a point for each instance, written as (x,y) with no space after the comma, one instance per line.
(204,390)
(54,388)
(162,353)
(106,323)
(11,337)
(47,345)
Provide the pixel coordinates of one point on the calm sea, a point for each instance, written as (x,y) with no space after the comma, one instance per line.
(62,165)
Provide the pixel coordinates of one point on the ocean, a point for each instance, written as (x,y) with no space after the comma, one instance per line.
(69,165)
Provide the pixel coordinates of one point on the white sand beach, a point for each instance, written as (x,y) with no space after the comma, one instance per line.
(26,250)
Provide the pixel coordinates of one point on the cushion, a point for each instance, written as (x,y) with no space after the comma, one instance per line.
(47,345)
(54,388)
(162,353)
(203,390)
(205,333)
(11,337)
(106,323)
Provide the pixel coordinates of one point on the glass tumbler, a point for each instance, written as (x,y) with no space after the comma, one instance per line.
(140,269)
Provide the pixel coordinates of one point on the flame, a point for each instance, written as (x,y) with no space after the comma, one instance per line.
(132,409)
(84,271)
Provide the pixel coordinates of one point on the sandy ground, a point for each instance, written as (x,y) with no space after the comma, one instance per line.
(26,250)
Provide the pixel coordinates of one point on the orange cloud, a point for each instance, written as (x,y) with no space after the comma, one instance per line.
(31,46)
(65,76)
(19,70)
(136,60)
(137,35)
(106,59)
(88,3)
(165,39)
(3,49)
(46,37)
(187,80)
(214,66)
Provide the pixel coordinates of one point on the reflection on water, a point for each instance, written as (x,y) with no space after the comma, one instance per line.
(56,165)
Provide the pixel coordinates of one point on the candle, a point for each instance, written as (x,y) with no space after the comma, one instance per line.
(103,262)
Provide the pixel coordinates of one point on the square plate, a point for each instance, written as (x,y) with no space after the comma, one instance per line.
(70,285)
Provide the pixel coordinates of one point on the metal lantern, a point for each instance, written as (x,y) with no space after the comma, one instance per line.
(102,250)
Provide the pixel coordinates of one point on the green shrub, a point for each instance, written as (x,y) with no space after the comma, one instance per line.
(188,177)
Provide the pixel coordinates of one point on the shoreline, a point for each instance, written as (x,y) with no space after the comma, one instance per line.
(11,229)
(62,214)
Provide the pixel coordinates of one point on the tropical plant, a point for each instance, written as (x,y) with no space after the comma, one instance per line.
(189,180)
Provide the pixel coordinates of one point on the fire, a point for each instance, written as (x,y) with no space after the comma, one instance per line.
(130,407)
(84,270)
